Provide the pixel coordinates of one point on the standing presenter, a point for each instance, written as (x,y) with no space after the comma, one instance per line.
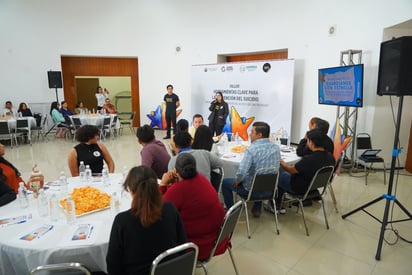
(219,112)
(172,103)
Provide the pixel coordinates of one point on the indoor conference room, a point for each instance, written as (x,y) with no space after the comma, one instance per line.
(150,138)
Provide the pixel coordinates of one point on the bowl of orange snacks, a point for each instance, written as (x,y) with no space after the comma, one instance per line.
(239,149)
(88,200)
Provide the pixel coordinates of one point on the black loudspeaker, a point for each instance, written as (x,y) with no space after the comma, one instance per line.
(395,67)
(55,79)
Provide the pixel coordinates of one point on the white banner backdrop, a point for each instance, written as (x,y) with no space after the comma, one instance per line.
(255,91)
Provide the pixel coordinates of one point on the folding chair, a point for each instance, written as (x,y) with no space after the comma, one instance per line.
(40,122)
(321,179)
(225,234)
(364,142)
(216,178)
(181,260)
(67,268)
(6,133)
(128,122)
(76,125)
(265,182)
(113,126)
(105,127)
(23,128)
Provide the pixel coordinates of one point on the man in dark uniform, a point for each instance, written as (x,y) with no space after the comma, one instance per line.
(172,102)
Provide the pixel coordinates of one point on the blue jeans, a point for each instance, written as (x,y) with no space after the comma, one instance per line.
(284,185)
(227,191)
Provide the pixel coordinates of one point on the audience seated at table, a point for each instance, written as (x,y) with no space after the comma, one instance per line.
(153,153)
(197,202)
(79,108)
(90,151)
(148,228)
(6,193)
(57,117)
(66,112)
(205,160)
(323,126)
(108,107)
(8,172)
(196,122)
(296,178)
(8,109)
(23,110)
(261,153)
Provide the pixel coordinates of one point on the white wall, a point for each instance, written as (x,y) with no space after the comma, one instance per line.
(34,34)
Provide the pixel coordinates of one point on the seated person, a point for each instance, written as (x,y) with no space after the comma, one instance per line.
(8,109)
(182,126)
(79,108)
(196,122)
(23,110)
(8,173)
(108,107)
(205,161)
(203,138)
(148,228)
(154,153)
(90,151)
(323,126)
(65,110)
(6,193)
(297,177)
(261,153)
(198,204)
(57,117)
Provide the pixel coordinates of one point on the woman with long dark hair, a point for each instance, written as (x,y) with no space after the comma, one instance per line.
(219,112)
(148,228)
(203,138)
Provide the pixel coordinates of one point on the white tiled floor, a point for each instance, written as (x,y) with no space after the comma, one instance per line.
(348,247)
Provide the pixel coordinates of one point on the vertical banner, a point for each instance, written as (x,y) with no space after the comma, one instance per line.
(255,91)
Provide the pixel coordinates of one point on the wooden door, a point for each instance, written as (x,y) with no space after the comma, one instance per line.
(86,91)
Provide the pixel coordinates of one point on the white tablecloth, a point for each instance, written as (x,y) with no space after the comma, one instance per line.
(20,256)
(12,122)
(96,119)
(232,160)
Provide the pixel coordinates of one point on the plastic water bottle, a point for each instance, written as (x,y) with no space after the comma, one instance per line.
(286,137)
(88,174)
(23,200)
(54,208)
(63,183)
(105,176)
(237,138)
(70,210)
(82,169)
(42,204)
(114,204)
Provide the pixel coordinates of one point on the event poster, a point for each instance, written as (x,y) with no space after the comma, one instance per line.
(255,91)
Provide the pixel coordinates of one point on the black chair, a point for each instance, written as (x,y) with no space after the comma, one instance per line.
(364,142)
(225,232)
(62,268)
(265,180)
(320,180)
(216,178)
(105,127)
(76,125)
(177,260)
(128,122)
(23,128)
(113,126)
(40,127)
(6,133)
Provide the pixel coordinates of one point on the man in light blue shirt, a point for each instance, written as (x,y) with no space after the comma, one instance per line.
(261,153)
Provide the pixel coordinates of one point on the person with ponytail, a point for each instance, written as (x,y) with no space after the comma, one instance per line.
(197,202)
(148,228)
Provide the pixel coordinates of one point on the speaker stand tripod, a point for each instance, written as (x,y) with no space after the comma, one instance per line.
(57,97)
(388,197)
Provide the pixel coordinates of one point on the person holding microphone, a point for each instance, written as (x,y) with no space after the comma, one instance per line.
(219,112)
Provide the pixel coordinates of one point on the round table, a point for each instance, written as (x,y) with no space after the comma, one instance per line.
(19,256)
(12,121)
(96,119)
(231,160)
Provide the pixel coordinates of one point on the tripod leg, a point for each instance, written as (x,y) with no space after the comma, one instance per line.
(362,207)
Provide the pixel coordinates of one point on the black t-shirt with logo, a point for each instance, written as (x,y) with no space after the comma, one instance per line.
(91,155)
(171,102)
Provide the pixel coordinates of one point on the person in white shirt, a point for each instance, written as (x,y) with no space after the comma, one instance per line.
(8,109)
(101,96)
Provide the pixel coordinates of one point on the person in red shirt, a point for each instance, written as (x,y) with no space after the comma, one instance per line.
(197,202)
(8,172)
